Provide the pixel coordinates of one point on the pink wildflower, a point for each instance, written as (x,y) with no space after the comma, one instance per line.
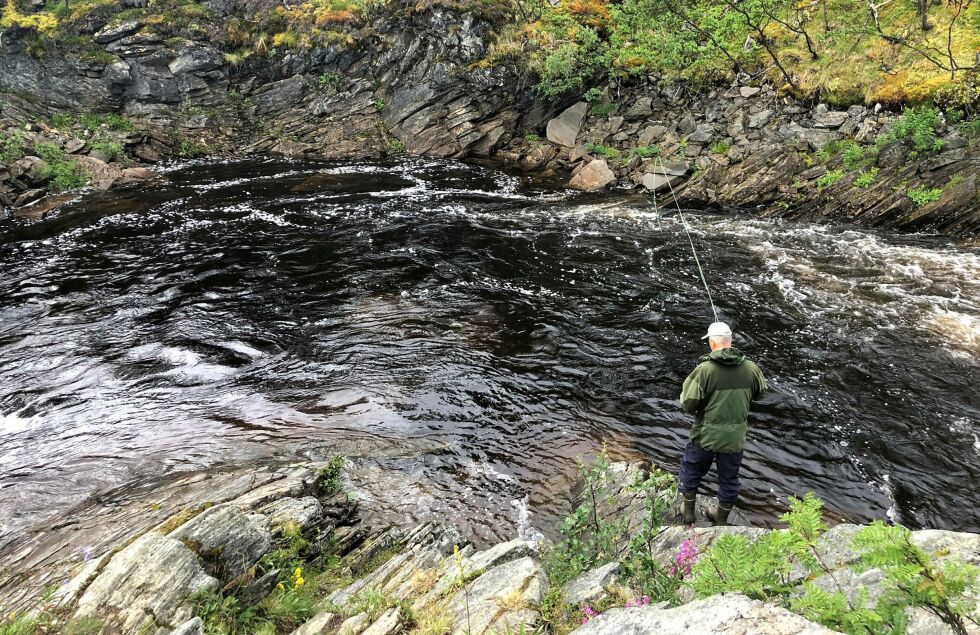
(687,556)
(589,613)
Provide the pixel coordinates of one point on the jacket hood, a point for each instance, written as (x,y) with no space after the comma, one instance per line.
(725,357)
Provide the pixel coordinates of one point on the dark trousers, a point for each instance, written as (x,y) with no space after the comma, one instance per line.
(696,463)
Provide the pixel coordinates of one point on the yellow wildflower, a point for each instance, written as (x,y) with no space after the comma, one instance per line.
(281,587)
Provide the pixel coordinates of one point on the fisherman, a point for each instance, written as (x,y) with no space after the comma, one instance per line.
(717,393)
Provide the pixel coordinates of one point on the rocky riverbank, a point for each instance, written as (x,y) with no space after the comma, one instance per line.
(289,551)
(415,81)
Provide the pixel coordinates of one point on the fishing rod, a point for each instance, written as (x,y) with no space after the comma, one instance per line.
(687,230)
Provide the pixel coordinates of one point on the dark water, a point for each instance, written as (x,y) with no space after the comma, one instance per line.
(276,309)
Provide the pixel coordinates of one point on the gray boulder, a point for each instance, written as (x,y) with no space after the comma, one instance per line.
(146,584)
(301,512)
(703,134)
(564,128)
(354,625)
(388,624)
(717,614)
(318,624)
(670,168)
(830,119)
(642,107)
(193,626)
(651,134)
(761,118)
(591,585)
(502,598)
(594,176)
(660,182)
(114,32)
(196,59)
(228,539)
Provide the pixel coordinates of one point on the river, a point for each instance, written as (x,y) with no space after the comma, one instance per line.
(239,312)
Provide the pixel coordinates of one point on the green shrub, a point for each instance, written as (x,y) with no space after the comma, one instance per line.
(328,476)
(767,568)
(828,151)
(853,156)
(111,149)
(721,147)
(866,178)
(11,148)
(533,138)
(330,80)
(604,151)
(962,96)
(924,195)
(66,175)
(225,614)
(590,538)
(595,95)
(918,127)
(645,152)
(602,110)
(62,120)
(113,121)
(829,178)
(970,129)
(914,578)
(575,58)
(62,171)
(49,152)
(191,149)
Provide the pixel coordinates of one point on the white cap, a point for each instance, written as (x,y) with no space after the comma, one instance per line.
(718,329)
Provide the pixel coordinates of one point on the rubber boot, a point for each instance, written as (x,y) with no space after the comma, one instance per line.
(687,507)
(718,513)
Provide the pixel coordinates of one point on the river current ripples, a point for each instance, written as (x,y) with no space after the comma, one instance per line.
(255,311)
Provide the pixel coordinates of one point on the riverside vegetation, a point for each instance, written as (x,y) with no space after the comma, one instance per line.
(307,575)
(330,78)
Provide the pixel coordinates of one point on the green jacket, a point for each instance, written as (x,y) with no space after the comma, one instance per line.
(718,393)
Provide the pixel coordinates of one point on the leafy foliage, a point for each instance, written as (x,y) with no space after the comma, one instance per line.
(829,178)
(639,564)
(917,127)
(592,536)
(63,173)
(111,149)
(924,195)
(767,568)
(328,476)
(12,18)
(913,578)
(840,51)
(587,539)
(866,178)
(721,147)
(191,149)
(11,148)
(604,151)
(853,156)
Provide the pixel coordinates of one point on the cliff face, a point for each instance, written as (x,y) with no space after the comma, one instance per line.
(412,81)
(402,83)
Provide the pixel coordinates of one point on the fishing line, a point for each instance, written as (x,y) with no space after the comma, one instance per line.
(687,230)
